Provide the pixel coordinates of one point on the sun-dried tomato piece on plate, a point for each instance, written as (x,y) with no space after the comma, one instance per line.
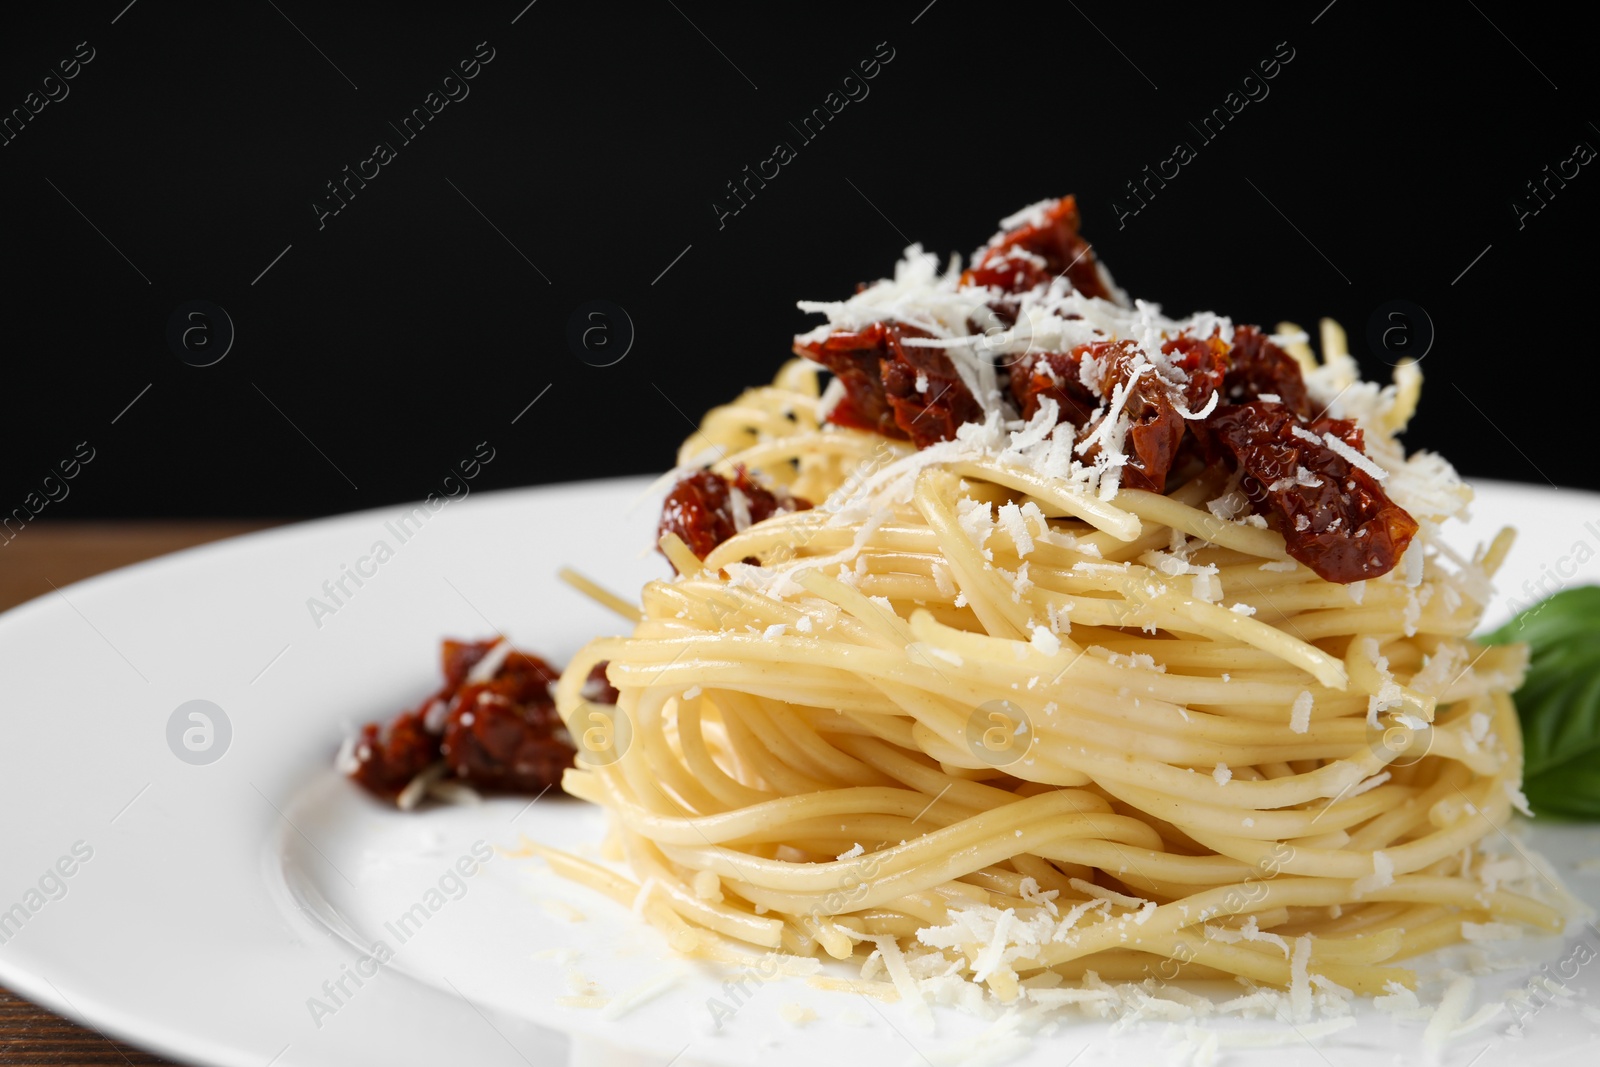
(493,724)
(502,734)
(387,756)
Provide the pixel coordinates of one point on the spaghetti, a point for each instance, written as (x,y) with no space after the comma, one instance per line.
(990,713)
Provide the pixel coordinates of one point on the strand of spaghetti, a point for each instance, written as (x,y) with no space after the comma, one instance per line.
(776,453)
(1410,815)
(1368,949)
(1259,825)
(1409,856)
(1362,669)
(1090,673)
(1244,962)
(1157,599)
(885,627)
(702,764)
(1167,919)
(1109,762)
(969,845)
(1165,511)
(1496,553)
(660,771)
(1282,602)
(932,781)
(1420,937)
(678,553)
(974,574)
(680,935)
(598,593)
(1433,619)
(1300,348)
(749,418)
(730,922)
(833,803)
(1091,509)
(798,376)
(780,759)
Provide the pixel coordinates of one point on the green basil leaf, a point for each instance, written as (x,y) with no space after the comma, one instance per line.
(1559,702)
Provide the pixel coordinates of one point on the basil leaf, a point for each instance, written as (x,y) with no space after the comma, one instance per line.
(1559,702)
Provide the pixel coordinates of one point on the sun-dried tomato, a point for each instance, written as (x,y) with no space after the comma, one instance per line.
(929,399)
(1055,375)
(507,748)
(896,389)
(390,755)
(502,734)
(1035,253)
(1205,362)
(1256,366)
(701,510)
(1334,516)
(855,358)
(456,660)
(1155,428)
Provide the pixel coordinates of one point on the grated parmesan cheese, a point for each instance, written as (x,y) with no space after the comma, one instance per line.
(1490,931)
(1300,713)
(643,993)
(1016,528)
(1299,980)
(489,666)
(1101,893)
(1354,458)
(1382,875)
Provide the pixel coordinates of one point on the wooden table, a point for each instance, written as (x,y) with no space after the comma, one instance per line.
(59,553)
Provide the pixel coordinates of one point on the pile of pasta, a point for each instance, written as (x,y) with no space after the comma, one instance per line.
(960,723)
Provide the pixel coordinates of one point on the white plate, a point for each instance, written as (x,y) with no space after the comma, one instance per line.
(220,898)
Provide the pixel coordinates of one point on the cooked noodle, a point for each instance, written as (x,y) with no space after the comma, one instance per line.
(966,718)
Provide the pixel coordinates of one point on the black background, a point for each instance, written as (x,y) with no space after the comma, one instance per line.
(382,347)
